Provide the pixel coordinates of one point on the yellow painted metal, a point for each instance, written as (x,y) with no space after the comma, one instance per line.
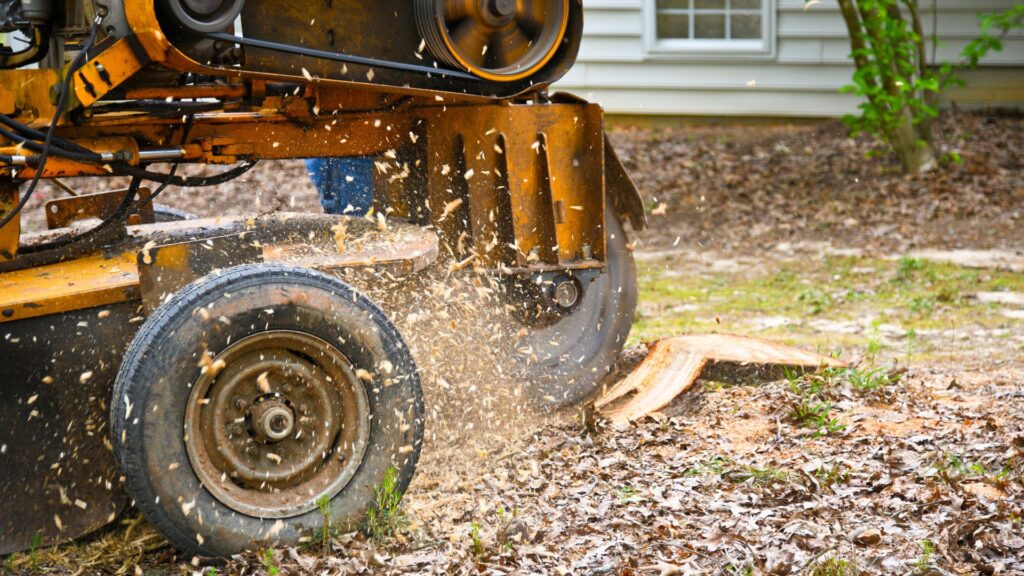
(106,71)
(6,100)
(31,93)
(10,233)
(73,285)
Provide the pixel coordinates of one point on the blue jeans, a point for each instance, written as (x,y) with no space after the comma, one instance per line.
(345,185)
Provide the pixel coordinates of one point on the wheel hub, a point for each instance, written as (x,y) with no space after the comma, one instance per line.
(501,8)
(284,422)
(272,419)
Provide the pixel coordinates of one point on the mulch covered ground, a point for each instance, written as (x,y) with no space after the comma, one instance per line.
(740,187)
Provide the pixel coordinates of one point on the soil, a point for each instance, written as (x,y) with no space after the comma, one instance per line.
(924,474)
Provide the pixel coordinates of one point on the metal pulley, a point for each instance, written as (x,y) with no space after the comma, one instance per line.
(499,40)
(202,16)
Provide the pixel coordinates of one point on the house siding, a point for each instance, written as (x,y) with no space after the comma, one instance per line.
(801,77)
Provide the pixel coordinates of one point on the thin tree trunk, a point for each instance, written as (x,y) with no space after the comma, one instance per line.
(930,98)
(912,143)
(916,153)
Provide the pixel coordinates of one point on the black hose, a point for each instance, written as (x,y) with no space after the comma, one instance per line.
(37,135)
(87,157)
(189,182)
(61,103)
(185,132)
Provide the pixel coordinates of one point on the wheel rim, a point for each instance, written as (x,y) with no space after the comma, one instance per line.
(501,40)
(284,421)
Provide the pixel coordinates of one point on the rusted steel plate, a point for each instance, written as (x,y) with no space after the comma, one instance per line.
(57,472)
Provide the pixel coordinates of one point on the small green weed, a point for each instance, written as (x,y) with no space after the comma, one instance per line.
(386,518)
(833,566)
(924,561)
(715,465)
(33,551)
(921,304)
(831,475)
(737,473)
(869,380)
(874,347)
(755,475)
(476,542)
(816,300)
(327,531)
(809,413)
(911,268)
(953,465)
(627,494)
(267,561)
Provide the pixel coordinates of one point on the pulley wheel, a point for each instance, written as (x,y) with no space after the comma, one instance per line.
(202,16)
(499,40)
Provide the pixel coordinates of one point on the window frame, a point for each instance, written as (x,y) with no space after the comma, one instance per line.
(710,49)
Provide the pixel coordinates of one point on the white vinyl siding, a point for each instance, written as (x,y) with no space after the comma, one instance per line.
(800,75)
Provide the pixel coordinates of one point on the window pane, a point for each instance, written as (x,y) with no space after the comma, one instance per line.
(710,4)
(746,4)
(709,26)
(673,4)
(746,26)
(673,26)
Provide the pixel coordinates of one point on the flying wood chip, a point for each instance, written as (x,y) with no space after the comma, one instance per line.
(674,364)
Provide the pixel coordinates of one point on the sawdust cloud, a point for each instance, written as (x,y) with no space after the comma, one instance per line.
(464,341)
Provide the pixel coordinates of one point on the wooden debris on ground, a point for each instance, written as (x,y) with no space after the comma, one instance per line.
(673,364)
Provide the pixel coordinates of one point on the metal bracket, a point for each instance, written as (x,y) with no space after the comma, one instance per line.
(62,212)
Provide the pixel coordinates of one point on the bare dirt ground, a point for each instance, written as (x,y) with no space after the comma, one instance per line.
(911,463)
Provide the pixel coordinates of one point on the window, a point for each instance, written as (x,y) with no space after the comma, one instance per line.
(725,27)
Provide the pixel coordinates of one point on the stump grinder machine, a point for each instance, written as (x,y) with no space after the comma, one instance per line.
(218,372)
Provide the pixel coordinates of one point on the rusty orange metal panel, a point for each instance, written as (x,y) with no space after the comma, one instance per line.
(531,177)
(83,283)
(6,101)
(533,215)
(571,148)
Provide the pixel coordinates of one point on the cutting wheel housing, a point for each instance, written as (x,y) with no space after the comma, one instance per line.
(499,40)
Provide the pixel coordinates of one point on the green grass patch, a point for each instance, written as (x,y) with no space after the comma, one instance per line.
(873,303)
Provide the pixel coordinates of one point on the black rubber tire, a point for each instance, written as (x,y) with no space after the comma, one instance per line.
(592,337)
(164,213)
(160,366)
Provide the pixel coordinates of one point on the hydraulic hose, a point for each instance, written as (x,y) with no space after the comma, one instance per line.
(62,99)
